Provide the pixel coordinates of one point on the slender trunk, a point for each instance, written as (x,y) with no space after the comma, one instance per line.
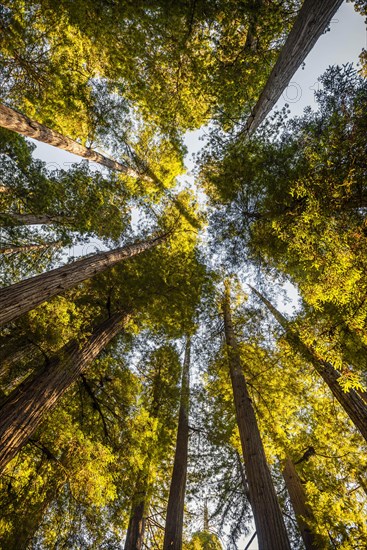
(21,297)
(302,510)
(15,121)
(270,527)
(24,409)
(353,404)
(6,250)
(135,532)
(176,500)
(312,20)
(13,219)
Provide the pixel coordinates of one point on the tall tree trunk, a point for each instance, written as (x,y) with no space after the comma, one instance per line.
(14,249)
(135,532)
(312,20)
(15,121)
(352,403)
(13,219)
(176,500)
(301,509)
(21,297)
(24,409)
(270,527)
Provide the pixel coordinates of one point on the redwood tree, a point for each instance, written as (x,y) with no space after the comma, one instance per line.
(24,409)
(175,508)
(270,527)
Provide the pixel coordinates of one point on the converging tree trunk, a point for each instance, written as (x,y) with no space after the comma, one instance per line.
(352,403)
(176,500)
(14,249)
(13,219)
(312,20)
(21,297)
(302,510)
(21,124)
(270,527)
(24,409)
(136,529)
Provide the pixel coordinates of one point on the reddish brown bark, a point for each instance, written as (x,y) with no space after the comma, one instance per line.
(21,297)
(24,409)
(302,510)
(312,20)
(353,404)
(15,121)
(270,527)
(135,532)
(176,500)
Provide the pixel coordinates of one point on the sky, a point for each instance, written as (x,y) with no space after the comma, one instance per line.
(341,44)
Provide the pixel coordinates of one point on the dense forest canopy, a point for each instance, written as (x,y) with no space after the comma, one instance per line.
(153,395)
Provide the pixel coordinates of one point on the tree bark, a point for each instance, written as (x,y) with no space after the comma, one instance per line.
(13,219)
(312,20)
(14,249)
(135,532)
(21,124)
(24,409)
(21,297)
(352,403)
(270,527)
(301,509)
(176,500)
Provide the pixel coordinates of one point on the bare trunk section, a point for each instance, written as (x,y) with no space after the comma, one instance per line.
(312,20)
(270,527)
(353,404)
(135,532)
(21,297)
(15,121)
(14,249)
(302,510)
(24,409)
(176,500)
(13,219)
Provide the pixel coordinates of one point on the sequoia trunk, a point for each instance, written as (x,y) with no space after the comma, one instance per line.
(135,532)
(301,509)
(312,20)
(353,404)
(15,121)
(176,500)
(21,297)
(270,527)
(24,409)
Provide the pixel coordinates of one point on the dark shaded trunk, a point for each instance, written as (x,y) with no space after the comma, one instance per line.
(353,404)
(270,527)
(24,409)
(21,124)
(13,219)
(135,532)
(176,500)
(302,510)
(312,20)
(21,297)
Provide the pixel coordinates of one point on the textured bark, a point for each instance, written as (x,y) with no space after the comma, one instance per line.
(15,121)
(353,404)
(24,409)
(176,500)
(21,297)
(135,532)
(302,510)
(13,219)
(312,20)
(270,527)
(6,250)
